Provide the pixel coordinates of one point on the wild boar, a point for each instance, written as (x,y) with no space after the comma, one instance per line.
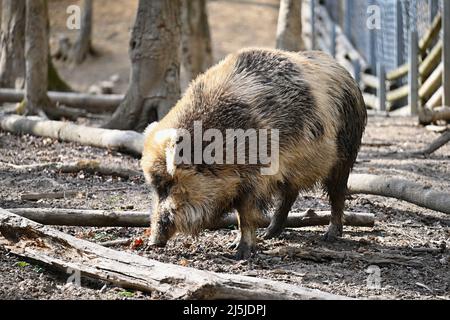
(313,114)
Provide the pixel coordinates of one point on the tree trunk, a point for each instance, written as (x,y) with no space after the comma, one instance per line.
(196,52)
(36,55)
(55,82)
(289,30)
(155,66)
(83,44)
(12,42)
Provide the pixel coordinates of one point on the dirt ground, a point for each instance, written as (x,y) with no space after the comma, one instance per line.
(400,227)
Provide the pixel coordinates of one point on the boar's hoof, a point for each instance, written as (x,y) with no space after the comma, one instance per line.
(235,244)
(273,232)
(245,251)
(153,245)
(334,232)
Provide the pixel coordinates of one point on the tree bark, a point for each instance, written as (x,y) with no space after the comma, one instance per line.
(83,45)
(196,52)
(29,239)
(108,218)
(127,141)
(55,82)
(155,66)
(289,30)
(12,43)
(400,189)
(36,55)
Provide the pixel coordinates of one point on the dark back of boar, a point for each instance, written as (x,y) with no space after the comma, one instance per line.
(320,115)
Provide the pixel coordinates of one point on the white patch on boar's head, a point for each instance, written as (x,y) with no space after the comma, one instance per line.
(149,129)
(169,138)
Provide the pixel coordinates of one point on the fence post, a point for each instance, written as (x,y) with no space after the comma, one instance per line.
(433,6)
(381,93)
(333,39)
(348,19)
(446,53)
(313,24)
(400,34)
(357,70)
(372,45)
(413,60)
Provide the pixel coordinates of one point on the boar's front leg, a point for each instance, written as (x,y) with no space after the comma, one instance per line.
(248,216)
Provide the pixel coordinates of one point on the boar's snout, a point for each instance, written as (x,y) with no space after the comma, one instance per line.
(162,228)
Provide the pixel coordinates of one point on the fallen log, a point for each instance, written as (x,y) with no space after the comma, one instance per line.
(63,194)
(435,145)
(88,102)
(85,218)
(128,141)
(88,166)
(34,241)
(325,255)
(412,192)
(111,218)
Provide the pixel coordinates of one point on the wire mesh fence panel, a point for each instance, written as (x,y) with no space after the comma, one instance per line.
(388,45)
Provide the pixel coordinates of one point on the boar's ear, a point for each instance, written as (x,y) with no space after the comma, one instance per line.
(168,138)
(150,129)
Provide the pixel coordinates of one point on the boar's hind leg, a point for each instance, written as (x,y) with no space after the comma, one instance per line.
(336,186)
(289,195)
(248,215)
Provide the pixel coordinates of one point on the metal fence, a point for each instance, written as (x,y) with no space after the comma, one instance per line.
(389,44)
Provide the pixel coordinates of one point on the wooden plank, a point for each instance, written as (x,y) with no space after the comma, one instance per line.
(432,84)
(370,81)
(398,73)
(431,34)
(398,94)
(370,100)
(431,61)
(435,100)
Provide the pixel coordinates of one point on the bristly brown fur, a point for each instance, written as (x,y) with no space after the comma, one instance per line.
(313,102)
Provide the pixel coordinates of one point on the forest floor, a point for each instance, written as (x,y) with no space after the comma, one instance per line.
(400,227)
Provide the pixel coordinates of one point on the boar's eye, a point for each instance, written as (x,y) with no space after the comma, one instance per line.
(162,186)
